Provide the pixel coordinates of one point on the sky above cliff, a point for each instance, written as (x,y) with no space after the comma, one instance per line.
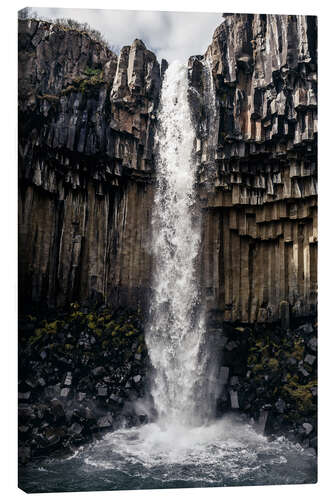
(171,35)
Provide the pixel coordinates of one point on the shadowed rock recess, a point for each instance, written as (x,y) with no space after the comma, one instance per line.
(86,187)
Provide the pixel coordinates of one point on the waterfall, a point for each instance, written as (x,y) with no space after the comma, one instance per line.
(175,333)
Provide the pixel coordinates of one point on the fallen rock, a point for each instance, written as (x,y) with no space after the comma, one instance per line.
(310,359)
(308,428)
(312,344)
(68,379)
(99,371)
(64,392)
(102,391)
(104,422)
(24,396)
(280,405)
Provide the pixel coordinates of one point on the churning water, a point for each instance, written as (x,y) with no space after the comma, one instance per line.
(185,447)
(226,453)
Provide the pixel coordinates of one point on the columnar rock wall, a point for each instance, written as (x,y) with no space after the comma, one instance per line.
(260,207)
(86,167)
(86,127)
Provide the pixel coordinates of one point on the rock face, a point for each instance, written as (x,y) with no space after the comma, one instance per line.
(260,216)
(87,167)
(86,126)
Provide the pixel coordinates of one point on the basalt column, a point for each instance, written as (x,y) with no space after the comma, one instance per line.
(259,255)
(86,128)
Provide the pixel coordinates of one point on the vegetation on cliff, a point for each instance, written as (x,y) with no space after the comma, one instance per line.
(69,24)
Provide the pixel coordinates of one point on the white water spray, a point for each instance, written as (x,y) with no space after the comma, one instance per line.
(176,332)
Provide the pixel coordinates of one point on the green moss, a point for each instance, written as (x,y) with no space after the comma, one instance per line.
(298,351)
(300,396)
(92,83)
(92,71)
(31,318)
(273,364)
(130,333)
(75,306)
(75,315)
(258,367)
(110,325)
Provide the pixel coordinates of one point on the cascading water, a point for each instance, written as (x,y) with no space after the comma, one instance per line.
(175,334)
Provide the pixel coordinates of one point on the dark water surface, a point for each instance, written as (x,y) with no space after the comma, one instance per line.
(222,454)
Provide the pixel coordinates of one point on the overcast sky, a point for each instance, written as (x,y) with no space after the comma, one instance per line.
(171,35)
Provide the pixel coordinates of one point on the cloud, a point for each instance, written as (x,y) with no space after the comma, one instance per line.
(171,35)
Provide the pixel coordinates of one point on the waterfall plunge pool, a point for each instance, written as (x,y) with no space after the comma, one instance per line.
(224,453)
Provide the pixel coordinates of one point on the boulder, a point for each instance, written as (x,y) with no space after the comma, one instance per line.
(57,410)
(99,372)
(68,379)
(75,429)
(310,359)
(312,344)
(105,422)
(64,393)
(102,391)
(308,428)
(280,405)
(24,396)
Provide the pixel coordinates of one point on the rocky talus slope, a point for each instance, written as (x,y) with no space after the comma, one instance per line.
(80,373)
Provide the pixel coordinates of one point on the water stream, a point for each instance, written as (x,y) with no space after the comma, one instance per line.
(175,334)
(185,446)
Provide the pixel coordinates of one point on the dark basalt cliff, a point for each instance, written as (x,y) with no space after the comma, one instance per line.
(86,163)
(260,223)
(86,127)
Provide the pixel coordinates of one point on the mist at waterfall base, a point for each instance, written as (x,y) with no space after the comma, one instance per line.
(225,453)
(186,446)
